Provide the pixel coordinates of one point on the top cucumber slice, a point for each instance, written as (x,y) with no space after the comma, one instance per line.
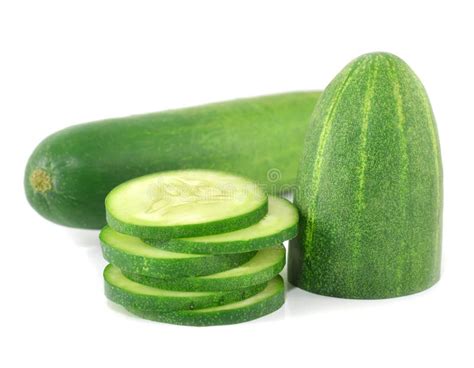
(280,224)
(184,203)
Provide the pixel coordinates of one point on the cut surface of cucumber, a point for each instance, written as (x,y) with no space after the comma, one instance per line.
(262,267)
(278,225)
(132,255)
(184,203)
(128,293)
(265,302)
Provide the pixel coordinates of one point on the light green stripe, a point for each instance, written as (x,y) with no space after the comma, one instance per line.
(359,195)
(401,123)
(316,177)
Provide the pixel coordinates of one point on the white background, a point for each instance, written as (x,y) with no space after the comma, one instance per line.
(68,62)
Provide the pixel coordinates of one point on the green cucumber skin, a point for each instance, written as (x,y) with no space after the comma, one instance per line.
(249,137)
(163,234)
(167,304)
(187,246)
(370,187)
(207,284)
(227,317)
(172,268)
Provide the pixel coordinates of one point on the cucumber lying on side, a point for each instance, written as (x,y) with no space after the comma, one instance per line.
(70,172)
(278,225)
(131,254)
(130,294)
(265,302)
(184,203)
(265,265)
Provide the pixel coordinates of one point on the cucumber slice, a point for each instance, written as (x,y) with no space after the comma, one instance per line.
(265,302)
(184,203)
(265,265)
(132,255)
(280,224)
(130,294)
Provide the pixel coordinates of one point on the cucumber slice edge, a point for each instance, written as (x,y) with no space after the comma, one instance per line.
(278,225)
(262,267)
(265,302)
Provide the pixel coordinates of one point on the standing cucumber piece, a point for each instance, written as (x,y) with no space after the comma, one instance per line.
(184,203)
(370,186)
(265,265)
(278,225)
(130,294)
(70,173)
(265,302)
(132,255)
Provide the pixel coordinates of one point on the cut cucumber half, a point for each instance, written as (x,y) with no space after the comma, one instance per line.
(176,204)
(265,302)
(132,255)
(130,294)
(265,265)
(280,224)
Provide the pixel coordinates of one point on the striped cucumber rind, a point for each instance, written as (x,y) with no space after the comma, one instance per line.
(370,186)
(278,225)
(265,302)
(130,294)
(184,203)
(262,267)
(132,255)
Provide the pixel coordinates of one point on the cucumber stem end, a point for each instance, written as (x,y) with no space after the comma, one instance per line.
(41,181)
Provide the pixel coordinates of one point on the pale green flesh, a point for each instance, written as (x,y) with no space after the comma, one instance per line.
(281,215)
(114,276)
(184,197)
(135,246)
(273,287)
(262,260)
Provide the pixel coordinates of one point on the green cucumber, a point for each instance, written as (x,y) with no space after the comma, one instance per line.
(279,224)
(370,186)
(130,294)
(265,302)
(265,265)
(69,174)
(184,203)
(132,255)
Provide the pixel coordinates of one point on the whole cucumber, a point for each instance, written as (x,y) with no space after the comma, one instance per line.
(69,174)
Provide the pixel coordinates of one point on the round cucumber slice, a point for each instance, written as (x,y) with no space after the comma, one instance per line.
(132,255)
(279,224)
(265,265)
(184,203)
(265,302)
(130,294)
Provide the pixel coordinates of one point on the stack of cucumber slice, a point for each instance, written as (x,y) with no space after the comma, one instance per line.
(196,247)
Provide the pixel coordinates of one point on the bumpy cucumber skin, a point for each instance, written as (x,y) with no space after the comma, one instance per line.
(172,268)
(162,233)
(129,299)
(226,317)
(260,138)
(188,246)
(370,186)
(204,283)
